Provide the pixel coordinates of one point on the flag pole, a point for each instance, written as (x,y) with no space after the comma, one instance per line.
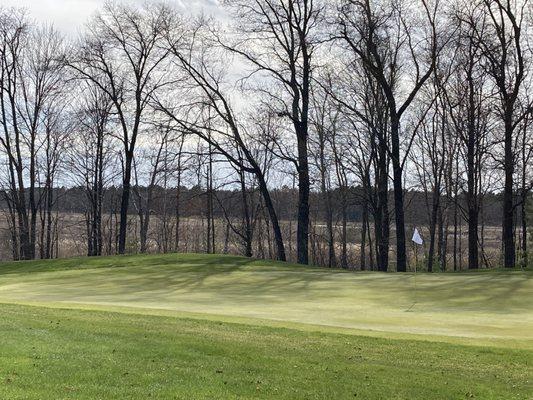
(414,279)
(417,239)
(416,262)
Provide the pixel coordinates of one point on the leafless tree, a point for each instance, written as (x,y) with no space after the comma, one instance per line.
(387,42)
(122,53)
(31,76)
(204,83)
(500,37)
(278,40)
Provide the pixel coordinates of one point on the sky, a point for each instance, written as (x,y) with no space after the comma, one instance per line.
(69,16)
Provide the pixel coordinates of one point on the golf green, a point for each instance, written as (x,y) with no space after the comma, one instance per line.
(210,326)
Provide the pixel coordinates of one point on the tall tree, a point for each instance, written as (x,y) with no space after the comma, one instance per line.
(225,132)
(122,53)
(467,99)
(500,36)
(89,160)
(30,78)
(385,40)
(278,40)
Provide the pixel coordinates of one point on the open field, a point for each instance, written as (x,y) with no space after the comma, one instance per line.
(197,326)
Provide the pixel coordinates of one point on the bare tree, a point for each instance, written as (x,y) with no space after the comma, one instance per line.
(384,40)
(204,83)
(121,54)
(499,35)
(89,159)
(278,39)
(153,157)
(431,158)
(56,125)
(31,76)
(324,120)
(467,99)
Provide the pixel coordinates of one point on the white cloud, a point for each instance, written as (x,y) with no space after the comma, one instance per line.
(69,16)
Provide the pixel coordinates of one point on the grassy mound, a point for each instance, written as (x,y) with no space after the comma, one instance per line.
(488,307)
(197,326)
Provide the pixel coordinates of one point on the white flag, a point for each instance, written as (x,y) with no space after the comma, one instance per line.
(417,238)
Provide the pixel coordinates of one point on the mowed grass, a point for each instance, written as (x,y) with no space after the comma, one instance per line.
(222,327)
(73,354)
(490,307)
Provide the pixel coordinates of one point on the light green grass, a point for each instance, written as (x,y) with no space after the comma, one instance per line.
(488,307)
(197,326)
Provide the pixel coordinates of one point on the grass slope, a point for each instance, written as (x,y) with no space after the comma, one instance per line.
(72,344)
(488,307)
(73,354)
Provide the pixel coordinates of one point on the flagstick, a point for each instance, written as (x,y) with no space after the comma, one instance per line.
(416,252)
(414,277)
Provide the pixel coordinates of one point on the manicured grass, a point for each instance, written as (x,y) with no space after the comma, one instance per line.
(487,307)
(73,354)
(197,326)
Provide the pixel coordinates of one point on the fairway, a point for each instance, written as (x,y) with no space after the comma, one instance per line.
(201,326)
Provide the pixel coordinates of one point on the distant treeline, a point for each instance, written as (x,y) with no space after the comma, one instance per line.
(192,203)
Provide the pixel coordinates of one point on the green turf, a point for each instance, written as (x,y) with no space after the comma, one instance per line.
(488,307)
(72,354)
(71,343)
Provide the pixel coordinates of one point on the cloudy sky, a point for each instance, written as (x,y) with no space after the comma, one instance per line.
(70,15)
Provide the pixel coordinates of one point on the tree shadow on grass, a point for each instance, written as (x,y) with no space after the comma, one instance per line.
(210,278)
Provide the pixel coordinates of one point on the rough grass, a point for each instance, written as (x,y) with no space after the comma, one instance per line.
(302,332)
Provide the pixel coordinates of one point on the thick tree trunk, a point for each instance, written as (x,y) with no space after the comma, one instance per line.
(473,240)
(278,238)
(508,207)
(124,204)
(401,258)
(432,229)
(370,248)
(382,226)
(143,231)
(471,194)
(302,233)
(247,221)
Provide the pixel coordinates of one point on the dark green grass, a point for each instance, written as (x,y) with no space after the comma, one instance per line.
(71,354)
(81,263)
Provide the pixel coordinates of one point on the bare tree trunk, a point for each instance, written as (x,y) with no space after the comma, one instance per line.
(401,260)
(363,232)
(124,203)
(433,227)
(246,218)
(382,225)
(302,232)
(509,255)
